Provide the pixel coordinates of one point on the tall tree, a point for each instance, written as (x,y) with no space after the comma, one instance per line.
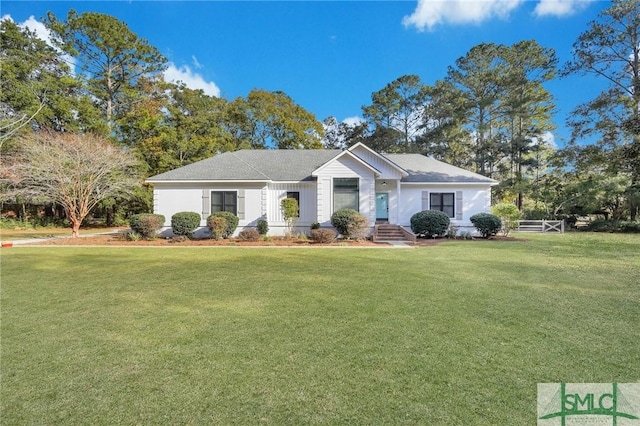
(527,106)
(343,135)
(491,111)
(273,120)
(110,57)
(74,171)
(37,88)
(398,109)
(480,75)
(610,49)
(444,134)
(198,123)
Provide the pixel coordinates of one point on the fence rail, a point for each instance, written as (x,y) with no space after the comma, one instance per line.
(556,226)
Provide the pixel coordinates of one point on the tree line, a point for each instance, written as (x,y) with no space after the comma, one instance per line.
(490,113)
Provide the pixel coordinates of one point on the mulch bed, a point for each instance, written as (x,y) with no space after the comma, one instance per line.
(117,240)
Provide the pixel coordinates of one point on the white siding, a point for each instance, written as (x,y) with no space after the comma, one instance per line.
(173,198)
(475,199)
(276,192)
(387,171)
(345,167)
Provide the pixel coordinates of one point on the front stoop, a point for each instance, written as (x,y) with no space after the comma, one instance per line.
(387,232)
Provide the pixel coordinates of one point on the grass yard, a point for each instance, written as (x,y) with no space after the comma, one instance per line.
(458,333)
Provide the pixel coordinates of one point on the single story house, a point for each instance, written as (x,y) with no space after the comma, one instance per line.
(385,188)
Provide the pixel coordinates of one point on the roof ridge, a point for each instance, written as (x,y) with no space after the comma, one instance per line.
(248,164)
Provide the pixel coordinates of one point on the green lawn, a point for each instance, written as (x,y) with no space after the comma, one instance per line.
(458,333)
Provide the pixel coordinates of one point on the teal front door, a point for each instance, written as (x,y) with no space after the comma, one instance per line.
(382,206)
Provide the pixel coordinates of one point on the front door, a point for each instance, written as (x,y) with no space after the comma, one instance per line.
(382,206)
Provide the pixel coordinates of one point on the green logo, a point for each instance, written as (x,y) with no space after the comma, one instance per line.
(616,404)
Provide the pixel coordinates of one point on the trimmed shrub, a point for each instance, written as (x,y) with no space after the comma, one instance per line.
(232,222)
(349,223)
(184,223)
(146,224)
(341,219)
(358,228)
(263,227)
(509,216)
(315,225)
(430,223)
(486,224)
(249,235)
(323,235)
(217,226)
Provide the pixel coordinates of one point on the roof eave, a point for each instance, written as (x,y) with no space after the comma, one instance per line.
(208,181)
(459,182)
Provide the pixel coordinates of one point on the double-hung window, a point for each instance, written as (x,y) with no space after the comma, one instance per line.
(443,201)
(224,201)
(346,194)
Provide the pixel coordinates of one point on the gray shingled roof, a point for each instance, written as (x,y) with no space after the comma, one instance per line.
(297,165)
(426,169)
(253,164)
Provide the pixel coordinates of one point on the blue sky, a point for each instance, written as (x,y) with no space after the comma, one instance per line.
(329,56)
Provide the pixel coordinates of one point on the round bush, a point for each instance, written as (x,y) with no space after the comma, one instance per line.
(486,224)
(232,222)
(343,219)
(249,235)
(146,224)
(184,223)
(430,223)
(323,235)
(263,227)
(217,226)
(358,229)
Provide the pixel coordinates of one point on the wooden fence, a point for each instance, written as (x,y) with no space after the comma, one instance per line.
(556,226)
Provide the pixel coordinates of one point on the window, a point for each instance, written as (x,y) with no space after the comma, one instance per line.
(296,196)
(443,201)
(224,201)
(346,194)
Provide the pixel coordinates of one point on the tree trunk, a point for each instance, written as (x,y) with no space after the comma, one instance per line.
(75,228)
(109,212)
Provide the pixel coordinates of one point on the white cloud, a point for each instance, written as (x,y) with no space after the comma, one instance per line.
(43,33)
(430,13)
(549,139)
(560,7)
(353,121)
(190,79)
(38,27)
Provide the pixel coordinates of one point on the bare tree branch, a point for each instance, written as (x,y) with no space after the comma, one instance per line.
(74,171)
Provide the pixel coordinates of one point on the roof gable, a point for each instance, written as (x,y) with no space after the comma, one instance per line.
(350,155)
(388,169)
